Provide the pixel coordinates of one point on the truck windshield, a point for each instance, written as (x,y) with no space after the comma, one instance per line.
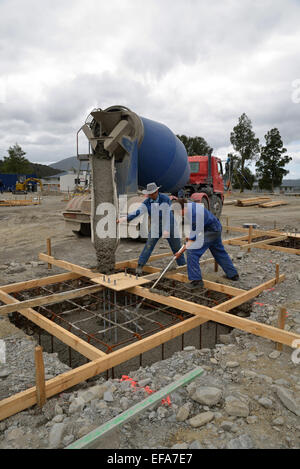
(194,166)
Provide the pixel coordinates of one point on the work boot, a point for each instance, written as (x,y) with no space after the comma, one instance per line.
(139,270)
(195,284)
(235,278)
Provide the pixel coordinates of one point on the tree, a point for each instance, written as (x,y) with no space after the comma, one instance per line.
(234,176)
(270,166)
(195,145)
(16,163)
(244,142)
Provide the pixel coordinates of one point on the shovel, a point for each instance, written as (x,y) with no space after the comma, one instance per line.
(152,289)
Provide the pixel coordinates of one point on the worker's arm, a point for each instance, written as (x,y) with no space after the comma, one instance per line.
(140,211)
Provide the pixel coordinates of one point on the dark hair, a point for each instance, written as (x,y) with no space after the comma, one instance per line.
(181,202)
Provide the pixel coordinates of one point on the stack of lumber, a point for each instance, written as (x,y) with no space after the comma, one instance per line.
(252,201)
(271,204)
(229,202)
(14,203)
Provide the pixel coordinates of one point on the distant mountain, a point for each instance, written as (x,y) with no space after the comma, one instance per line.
(68,164)
(42,170)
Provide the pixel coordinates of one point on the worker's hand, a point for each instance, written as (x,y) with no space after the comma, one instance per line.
(165,234)
(121,220)
(180,252)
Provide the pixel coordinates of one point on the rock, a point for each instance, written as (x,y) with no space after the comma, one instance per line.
(183,413)
(108,397)
(85,430)
(56,435)
(251,419)
(77,405)
(240,255)
(275,354)
(189,348)
(195,445)
(227,426)
(289,400)
(297,318)
(145,382)
(207,395)
(58,410)
(213,361)
(201,419)
(4,373)
(94,392)
(58,418)
(15,434)
(15,270)
(124,403)
(278,421)
(226,339)
(265,402)
(180,446)
(242,442)
(68,439)
(232,364)
(235,407)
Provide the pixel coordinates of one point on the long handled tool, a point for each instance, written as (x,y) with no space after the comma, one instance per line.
(181,250)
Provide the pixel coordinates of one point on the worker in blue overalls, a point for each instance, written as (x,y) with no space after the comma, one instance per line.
(163,224)
(205,234)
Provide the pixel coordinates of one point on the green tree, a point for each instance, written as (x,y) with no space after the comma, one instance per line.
(270,166)
(195,145)
(244,142)
(16,163)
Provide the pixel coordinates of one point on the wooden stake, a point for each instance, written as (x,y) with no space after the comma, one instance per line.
(281,323)
(216,266)
(250,236)
(40,377)
(227,224)
(49,251)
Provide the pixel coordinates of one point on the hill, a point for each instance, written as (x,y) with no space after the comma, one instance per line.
(68,164)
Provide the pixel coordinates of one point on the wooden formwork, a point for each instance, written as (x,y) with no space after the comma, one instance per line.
(101,361)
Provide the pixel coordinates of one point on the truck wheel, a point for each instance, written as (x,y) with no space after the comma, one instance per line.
(216,205)
(85,230)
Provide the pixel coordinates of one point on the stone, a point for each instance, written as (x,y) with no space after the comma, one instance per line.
(85,430)
(94,392)
(124,403)
(265,402)
(201,419)
(275,354)
(213,361)
(145,382)
(195,445)
(56,435)
(297,318)
(232,364)
(58,418)
(235,407)
(278,421)
(227,426)
(58,410)
(242,442)
(183,413)
(14,434)
(77,405)
(189,348)
(68,439)
(108,397)
(207,395)
(289,400)
(4,373)
(15,270)
(226,339)
(251,419)
(180,446)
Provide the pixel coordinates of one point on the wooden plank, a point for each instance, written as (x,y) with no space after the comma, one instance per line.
(240,229)
(50,299)
(281,323)
(276,203)
(39,282)
(62,334)
(25,399)
(49,251)
(40,376)
(234,302)
(117,282)
(89,440)
(264,242)
(232,291)
(218,315)
(270,248)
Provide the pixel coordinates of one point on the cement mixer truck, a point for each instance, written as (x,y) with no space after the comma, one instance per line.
(144,151)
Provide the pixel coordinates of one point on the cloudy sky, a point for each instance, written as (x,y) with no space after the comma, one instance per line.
(194,65)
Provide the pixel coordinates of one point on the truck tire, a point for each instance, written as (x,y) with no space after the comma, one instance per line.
(85,230)
(215,205)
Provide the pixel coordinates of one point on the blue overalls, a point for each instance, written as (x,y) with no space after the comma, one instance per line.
(212,241)
(160,225)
